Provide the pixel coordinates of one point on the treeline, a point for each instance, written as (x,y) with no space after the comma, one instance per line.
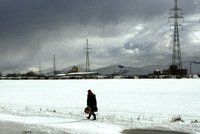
(29,74)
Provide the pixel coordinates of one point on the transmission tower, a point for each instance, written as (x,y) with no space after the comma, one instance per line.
(87,52)
(54,64)
(176,55)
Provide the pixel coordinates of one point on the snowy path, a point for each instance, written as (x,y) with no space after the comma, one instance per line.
(67,125)
(81,125)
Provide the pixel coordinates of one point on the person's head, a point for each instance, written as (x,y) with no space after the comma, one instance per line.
(90,92)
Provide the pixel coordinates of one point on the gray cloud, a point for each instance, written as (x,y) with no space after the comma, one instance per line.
(128,31)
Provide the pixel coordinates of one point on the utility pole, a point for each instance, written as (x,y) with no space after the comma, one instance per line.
(176,55)
(87,52)
(40,70)
(190,67)
(54,64)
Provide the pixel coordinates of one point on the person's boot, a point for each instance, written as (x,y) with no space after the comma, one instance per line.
(94,116)
(89,116)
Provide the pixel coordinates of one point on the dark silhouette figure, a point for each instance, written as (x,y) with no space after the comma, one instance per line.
(92,103)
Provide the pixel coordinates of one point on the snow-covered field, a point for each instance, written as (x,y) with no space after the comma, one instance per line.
(56,106)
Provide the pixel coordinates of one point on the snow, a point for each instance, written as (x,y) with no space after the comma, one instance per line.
(123,104)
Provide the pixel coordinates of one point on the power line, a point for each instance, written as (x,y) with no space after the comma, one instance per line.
(192,30)
(191,21)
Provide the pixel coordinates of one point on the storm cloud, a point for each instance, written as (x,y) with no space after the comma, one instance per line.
(130,32)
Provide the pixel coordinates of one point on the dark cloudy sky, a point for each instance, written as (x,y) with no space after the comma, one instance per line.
(129,32)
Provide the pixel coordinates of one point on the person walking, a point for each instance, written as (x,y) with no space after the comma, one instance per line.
(92,103)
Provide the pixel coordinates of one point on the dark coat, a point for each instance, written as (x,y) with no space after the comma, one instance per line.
(91,101)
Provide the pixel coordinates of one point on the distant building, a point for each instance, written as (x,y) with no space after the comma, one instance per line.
(173,70)
(74,69)
(83,75)
(157,72)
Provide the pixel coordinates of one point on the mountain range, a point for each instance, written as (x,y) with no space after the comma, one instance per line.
(127,70)
(144,70)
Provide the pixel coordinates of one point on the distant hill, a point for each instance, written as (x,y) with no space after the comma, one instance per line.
(142,70)
(127,70)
